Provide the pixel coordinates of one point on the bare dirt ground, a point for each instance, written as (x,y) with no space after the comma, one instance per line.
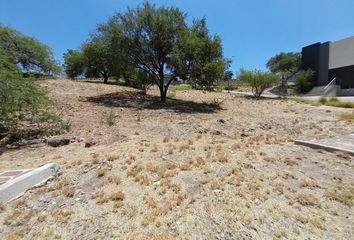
(205,166)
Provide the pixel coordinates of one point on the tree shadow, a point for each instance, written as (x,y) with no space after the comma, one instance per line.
(129,99)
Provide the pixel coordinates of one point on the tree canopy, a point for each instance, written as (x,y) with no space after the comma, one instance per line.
(22,53)
(156,41)
(284,62)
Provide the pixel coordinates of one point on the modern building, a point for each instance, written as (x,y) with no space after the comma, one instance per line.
(333,63)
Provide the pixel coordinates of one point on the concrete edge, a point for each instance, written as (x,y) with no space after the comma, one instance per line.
(322,146)
(17,186)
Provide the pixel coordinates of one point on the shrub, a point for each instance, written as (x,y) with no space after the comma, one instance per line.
(258,80)
(303,81)
(25,110)
(334,102)
(226,85)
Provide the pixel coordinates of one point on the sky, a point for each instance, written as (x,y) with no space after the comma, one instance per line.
(252,30)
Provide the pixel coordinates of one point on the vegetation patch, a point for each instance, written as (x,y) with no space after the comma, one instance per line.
(344,195)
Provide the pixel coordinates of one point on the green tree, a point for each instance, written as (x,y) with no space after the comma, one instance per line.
(257,80)
(285,65)
(74,63)
(303,81)
(159,42)
(22,53)
(198,57)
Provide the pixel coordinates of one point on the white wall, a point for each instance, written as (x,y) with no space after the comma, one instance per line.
(341,53)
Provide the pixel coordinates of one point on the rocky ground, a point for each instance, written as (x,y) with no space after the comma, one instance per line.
(204,166)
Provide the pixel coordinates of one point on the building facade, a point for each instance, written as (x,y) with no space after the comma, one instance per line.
(331,60)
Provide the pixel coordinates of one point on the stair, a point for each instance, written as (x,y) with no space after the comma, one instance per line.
(316,91)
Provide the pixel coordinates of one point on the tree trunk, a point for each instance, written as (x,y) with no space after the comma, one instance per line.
(163,94)
(105,79)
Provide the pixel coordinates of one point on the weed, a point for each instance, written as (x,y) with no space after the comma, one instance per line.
(111,119)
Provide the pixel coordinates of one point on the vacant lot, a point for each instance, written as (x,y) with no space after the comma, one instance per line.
(205,166)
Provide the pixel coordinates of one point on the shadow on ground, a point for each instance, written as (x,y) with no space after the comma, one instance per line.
(128,99)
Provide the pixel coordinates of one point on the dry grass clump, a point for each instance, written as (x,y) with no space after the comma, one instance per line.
(222,158)
(114,179)
(2,207)
(290,162)
(307,199)
(316,222)
(100,197)
(155,148)
(143,179)
(280,232)
(344,195)
(309,183)
(112,158)
(12,217)
(101,172)
(269,159)
(68,191)
(117,196)
(150,201)
(279,187)
(343,155)
(150,167)
(166,139)
(63,215)
(134,171)
(19,217)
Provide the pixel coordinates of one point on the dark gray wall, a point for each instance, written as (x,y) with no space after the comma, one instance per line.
(316,57)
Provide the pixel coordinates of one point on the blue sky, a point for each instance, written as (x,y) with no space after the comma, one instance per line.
(252,30)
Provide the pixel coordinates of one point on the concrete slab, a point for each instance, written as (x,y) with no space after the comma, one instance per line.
(344,143)
(17,182)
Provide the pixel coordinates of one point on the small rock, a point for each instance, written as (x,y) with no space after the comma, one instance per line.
(90,144)
(58,142)
(221,121)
